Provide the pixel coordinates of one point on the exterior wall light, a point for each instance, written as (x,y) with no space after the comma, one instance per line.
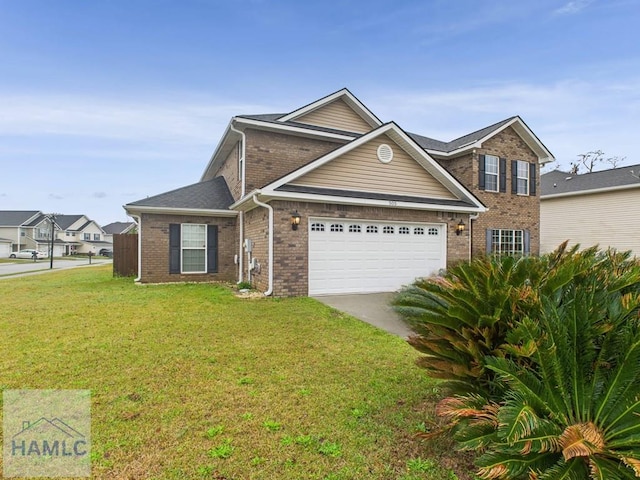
(460,228)
(295,220)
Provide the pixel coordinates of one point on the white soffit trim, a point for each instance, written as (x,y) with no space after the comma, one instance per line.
(135,209)
(343,94)
(404,141)
(591,191)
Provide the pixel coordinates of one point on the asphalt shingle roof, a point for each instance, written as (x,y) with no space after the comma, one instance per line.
(14,218)
(65,221)
(558,182)
(117,227)
(425,142)
(372,195)
(212,194)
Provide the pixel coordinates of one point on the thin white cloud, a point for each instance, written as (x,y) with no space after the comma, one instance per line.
(573,7)
(570,117)
(136,121)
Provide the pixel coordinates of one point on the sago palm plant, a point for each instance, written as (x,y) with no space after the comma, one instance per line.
(573,412)
(467,314)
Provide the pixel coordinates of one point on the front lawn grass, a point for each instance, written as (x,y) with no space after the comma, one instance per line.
(189,381)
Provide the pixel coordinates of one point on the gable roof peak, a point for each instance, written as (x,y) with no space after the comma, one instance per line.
(342,94)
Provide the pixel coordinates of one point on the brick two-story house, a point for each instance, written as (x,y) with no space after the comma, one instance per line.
(329,199)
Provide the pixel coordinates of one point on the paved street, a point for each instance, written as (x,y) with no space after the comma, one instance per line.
(12,270)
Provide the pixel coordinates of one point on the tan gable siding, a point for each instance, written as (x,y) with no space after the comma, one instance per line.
(337,115)
(599,218)
(361,170)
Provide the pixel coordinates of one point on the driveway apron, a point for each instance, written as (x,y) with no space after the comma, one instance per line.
(372,308)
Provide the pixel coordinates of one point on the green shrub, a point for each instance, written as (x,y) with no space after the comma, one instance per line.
(572,412)
(469,313)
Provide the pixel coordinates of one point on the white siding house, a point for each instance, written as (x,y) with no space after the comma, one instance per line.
(593,208)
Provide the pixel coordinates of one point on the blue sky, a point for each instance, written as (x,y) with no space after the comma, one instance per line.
(104,103)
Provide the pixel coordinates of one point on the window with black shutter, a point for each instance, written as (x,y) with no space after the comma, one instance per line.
(193,248)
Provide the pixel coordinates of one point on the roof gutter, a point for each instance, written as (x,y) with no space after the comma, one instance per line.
(270,209)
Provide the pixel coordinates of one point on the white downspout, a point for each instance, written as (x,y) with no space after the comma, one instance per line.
(270,209)
(139,222)
(242,193)
(240,248)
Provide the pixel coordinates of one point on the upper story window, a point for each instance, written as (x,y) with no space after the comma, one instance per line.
(492,172)
(523,178)
(86,236)
(96,236)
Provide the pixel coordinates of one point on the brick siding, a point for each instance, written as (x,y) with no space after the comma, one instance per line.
(270,156)
(291,248)
(155,249)
(505,210)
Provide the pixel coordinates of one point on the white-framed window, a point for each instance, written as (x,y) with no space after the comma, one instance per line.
(404,230)
(96,236)
(355,229)
(193,248)
(372,229)
(491,173)
(388,229)
(433,231)
(86,236)
(337,227)
(522,178)
(317,227)
(418,231)
(507,242)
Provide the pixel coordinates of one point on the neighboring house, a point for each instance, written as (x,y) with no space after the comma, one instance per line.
(118,228)
(5,247)
(25,229)
(589,209)
(79,234)
(328,199)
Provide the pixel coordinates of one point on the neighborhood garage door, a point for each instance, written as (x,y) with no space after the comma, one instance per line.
(370,256)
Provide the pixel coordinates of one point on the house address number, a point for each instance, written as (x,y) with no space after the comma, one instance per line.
(392,203)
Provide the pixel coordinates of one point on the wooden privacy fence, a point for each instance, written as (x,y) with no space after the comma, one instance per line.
(125,255)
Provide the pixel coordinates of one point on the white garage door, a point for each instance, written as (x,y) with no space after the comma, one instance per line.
(370,256)
(5,249)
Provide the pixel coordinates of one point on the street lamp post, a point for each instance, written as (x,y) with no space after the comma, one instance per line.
(52,217)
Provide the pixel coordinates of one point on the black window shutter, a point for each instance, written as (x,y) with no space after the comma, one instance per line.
(489,241)
(527,242)
(481,170)
(212,249)
(514,176)
(532,179)
(174,248)
(503,175)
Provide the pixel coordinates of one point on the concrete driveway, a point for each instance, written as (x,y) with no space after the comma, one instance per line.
(372,308)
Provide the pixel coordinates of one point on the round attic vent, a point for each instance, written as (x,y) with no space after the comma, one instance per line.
(385,153)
